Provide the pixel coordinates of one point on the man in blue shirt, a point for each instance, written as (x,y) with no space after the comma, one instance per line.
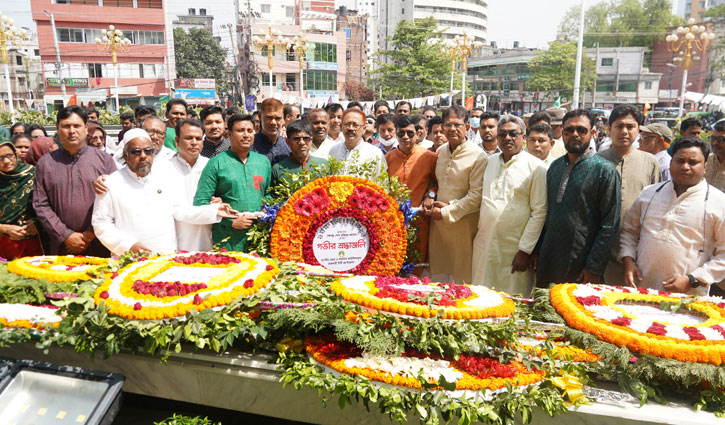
(268,141)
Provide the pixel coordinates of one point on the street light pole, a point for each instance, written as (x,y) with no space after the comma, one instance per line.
(9,34)
(302,50)
(57,56)
(579,47)
(461,48)
(684,42)
(270,40)
(114,41)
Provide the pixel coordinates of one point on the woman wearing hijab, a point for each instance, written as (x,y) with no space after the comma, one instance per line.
(18,234)
(39,147)
(96,135)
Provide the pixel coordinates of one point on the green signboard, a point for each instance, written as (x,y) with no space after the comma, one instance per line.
(69,82)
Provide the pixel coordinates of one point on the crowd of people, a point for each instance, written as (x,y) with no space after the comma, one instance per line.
(504,201)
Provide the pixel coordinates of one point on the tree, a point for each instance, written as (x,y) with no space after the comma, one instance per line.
(553,70)
(355,91)
(620,23)
(416,66)
(198,55)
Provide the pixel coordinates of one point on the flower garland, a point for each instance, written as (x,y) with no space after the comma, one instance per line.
(315,204)
(422,298)
(173,285)
(29,316)
(57,268)
(693,331)
(469,372)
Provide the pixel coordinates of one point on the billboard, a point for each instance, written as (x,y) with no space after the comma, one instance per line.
(69,82)
(195,83)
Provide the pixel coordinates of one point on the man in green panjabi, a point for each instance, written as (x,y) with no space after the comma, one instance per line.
(299,140)
(240,178)
(583,207)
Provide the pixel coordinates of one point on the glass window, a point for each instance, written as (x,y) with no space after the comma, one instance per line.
(149,4)
(118,3)
(266,8)
(130,36)
(63,35)
(289,11)
(95,70)
(648,85)
(320,80)
(607,61)
(630,86)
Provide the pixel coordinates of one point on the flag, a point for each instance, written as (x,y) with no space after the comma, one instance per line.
(646,108)
(558,102)
(72,101)
(165,99)
(469,103)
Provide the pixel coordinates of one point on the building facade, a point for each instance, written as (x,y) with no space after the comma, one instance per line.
(354,26)
(695,8)
(145,71)
(622,78)
(25,71)
(194,20)
(671,83)
(454,17)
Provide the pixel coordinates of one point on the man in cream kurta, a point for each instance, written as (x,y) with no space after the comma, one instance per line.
(512,215)
(669,236)
(459,172)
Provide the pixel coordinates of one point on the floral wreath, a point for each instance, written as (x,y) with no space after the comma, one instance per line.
(29,316)
(423,298)
(647,321)
(298,221)
(469,372)
(173,285)
(57,268)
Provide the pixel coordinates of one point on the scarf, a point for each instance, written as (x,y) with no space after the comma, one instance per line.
(16,189)
(38,148)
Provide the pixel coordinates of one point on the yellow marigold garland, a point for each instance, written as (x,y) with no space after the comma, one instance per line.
(467,382)
(24,267)
(700,351)
(460,312)
(290,227)
(233,273)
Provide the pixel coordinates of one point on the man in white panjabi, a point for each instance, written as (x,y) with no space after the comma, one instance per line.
(673,237)
(186,166)
(137,212)
(354,151)
(512,214)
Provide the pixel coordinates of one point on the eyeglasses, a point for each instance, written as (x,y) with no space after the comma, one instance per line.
(137,152)
(450,125)
(371,121)
(298,139)
(579,129)
(409,133)
(156,132)
(512,134)
(717,139)
(8,157)
(352,125)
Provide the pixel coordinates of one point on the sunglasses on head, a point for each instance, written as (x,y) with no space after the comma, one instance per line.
(137,151)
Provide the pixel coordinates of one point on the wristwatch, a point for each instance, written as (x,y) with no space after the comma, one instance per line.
(432,195)
(694,283)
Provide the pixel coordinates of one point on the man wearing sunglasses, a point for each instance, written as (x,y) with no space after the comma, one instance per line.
(414,166)
(512,214)
(299,140)
(637,169)
(138,210)
(583,206)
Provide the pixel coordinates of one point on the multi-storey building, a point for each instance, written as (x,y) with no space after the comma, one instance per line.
(454,17)
(144,71)
(695,8)
(354,26)
(622,77)
(25,72)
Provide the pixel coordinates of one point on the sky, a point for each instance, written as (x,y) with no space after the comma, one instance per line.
(533,23)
